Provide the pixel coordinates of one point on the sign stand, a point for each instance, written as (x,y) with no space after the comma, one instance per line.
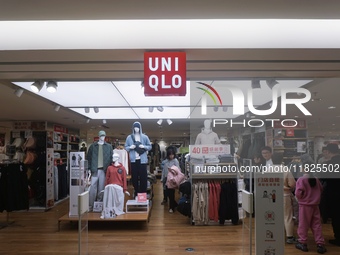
(269,228)
(78,173)
(83,222)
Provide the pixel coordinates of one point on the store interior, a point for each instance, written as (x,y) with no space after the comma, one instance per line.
(99,86)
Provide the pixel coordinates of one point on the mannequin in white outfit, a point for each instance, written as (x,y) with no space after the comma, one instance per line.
(207,136)
(113,201)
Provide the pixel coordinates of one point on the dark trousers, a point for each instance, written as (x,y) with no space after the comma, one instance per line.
(171,195)
(165,195)
(165,190)
(139,177)
(336,219)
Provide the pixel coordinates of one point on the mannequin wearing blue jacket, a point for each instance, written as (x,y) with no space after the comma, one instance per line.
(137,144)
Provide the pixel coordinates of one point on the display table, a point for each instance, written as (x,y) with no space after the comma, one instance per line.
(95,216)
(132,206)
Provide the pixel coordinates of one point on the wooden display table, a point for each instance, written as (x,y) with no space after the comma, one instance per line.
(95,216)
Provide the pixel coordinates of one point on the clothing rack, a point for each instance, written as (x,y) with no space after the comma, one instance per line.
(205,182)
(17,173)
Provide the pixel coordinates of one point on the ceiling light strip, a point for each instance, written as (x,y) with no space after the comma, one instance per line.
(140,34)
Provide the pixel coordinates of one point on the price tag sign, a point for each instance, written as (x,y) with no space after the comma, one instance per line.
(198,151)
(141,197)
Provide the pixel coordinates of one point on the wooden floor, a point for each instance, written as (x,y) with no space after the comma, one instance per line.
(36,233)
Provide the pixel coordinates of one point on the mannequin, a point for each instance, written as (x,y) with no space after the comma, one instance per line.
(137,144)
(116,173)
(156,154)
(99,157)
(113,202)
(207,136)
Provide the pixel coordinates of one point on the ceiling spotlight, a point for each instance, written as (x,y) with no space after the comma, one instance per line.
(169,121)
(104,121)
(57,107)
(37,86)
(255,84)
(225,108)
(51,86)
(271,83)
(96,109)
(150,108)
(88,120)
(160,108)
(18,92)
(215,108)
(159,122)
(87,109)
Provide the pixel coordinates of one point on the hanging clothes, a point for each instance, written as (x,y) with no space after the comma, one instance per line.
(214,197)
(200,209)
(13,187)
(124,158)
(113,201)
(62,181)
(228,209)
(56,183)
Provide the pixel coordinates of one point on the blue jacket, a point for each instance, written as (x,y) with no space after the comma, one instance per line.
(92,157)
(144,140)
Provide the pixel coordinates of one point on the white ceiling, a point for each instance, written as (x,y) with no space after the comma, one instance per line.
(320,64)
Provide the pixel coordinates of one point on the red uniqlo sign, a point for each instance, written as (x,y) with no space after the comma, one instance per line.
(165,74)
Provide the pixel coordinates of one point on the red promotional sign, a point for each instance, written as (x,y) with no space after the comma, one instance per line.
(61,129)
(165,74)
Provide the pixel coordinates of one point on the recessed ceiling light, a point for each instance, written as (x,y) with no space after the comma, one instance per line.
(331,107)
